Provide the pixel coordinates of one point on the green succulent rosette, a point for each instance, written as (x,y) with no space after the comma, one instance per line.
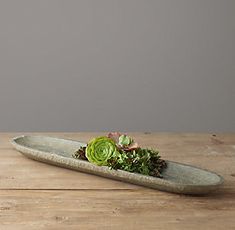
(99,150)
(125,140)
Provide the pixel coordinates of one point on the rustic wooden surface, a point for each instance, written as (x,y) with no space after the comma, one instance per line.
(34,195)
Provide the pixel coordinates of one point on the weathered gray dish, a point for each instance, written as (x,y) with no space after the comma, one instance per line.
(177,178)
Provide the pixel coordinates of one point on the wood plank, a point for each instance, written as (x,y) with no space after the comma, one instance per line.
(144,138)
(34,195)
(117,209)
(19,172)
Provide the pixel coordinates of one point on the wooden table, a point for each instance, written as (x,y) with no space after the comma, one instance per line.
(34,195)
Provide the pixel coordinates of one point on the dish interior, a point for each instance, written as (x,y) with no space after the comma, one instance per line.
(175,172)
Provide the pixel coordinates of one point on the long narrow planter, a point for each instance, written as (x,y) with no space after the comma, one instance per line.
(177,178)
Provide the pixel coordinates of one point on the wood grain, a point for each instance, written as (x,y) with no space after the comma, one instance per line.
(34,195)
(114,209)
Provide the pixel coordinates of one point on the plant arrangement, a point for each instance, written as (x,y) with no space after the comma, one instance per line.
(120,151)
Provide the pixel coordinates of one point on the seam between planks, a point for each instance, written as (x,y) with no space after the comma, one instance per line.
(69,190)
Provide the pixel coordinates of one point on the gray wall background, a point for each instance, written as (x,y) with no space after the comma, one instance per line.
(130,65)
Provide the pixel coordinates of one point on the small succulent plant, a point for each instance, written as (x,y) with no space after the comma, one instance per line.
(120,151)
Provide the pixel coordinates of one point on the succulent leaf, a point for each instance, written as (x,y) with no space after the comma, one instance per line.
(99,150)
(125,140)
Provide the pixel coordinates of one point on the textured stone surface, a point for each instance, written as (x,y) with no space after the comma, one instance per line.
(177,178)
